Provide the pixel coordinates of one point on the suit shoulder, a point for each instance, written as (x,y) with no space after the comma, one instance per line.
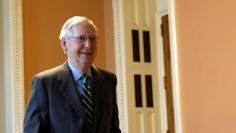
(50,73)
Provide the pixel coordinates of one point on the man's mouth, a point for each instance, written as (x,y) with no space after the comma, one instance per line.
(86,53)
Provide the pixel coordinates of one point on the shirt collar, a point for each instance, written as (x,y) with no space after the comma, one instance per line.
(76,71)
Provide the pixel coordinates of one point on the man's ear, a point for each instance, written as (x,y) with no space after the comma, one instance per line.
(63,45)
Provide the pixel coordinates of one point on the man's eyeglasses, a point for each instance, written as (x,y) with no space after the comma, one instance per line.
(84,39)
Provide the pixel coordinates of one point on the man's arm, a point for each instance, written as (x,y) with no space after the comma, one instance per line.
(36,116)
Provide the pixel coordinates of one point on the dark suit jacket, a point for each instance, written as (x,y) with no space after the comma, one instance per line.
(55,104)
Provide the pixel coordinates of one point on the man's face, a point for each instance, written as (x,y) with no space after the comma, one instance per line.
(82,47)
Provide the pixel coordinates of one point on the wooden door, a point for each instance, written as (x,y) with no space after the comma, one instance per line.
(168,76)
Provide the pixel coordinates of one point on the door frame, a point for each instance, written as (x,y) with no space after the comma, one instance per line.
(120,66)
(175,66)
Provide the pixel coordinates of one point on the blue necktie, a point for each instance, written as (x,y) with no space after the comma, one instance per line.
(88,99)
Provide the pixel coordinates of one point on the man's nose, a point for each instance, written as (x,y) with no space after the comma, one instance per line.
(88,43)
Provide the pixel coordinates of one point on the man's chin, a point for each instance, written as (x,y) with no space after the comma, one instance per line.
(86,62)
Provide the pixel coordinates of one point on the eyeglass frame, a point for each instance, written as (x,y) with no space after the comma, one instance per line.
(84,38)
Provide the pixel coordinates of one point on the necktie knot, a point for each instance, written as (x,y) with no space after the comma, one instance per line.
(84,78)
(86,82)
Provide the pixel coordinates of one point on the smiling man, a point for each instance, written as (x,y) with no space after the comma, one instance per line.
(75,97)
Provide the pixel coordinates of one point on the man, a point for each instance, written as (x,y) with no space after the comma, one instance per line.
(75,97)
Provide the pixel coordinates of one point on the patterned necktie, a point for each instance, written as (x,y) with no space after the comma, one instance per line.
(87,99)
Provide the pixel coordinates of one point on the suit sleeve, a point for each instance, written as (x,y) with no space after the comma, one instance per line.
(115,116)
(36,116)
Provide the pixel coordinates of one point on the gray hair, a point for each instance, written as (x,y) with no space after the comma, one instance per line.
(66,30)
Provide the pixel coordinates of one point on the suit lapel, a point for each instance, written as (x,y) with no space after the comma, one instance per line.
(98,94)
(69,91)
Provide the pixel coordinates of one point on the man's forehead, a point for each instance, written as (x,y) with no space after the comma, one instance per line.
(84,27)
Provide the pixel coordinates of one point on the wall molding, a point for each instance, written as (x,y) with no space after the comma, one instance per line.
(16,52)
(120,65)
